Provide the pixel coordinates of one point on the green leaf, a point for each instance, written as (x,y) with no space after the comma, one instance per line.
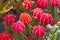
(55,35)
(53,31)
(18,37)
(8,29)
(27,31)
(35,22)
(54,12)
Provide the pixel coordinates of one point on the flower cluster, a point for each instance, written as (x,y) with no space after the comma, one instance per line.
(45,18)
(25,19)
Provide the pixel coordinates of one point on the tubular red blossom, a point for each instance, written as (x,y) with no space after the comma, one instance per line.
(36,13)
(6,36)
(42,3)
(25,18)
(18,27)
(39,31)
(28,5)
(9,19)
(46,18)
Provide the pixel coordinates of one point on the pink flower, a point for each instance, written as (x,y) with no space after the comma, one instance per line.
(54,3)
(42,3)
(46,18)
(9,19)
(6,36)
(39,31)
(36,13)
(59,4)
(28,4)
(18,27)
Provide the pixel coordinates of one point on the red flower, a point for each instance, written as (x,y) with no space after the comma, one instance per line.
(18,27)
(39,31)
(36,13)
(9,19)
(54,3)
(25,18)
(46,18)
(42,3)
(28,4)
(6,36)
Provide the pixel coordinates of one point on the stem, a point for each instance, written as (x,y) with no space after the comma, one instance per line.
(54,12)
(37,38)
(27,30)
(31,27)
(58,32)
(58,25)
